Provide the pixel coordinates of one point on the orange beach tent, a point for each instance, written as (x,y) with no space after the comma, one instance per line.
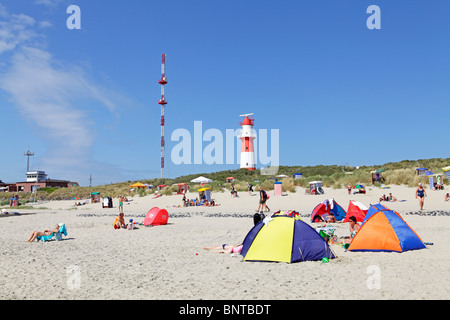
(386,230)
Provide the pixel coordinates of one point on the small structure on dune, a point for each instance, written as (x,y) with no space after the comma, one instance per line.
(376,176)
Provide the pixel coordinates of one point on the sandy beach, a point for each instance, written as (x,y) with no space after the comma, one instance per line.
(168,263)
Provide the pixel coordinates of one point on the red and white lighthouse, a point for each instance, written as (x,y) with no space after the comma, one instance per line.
(247,137)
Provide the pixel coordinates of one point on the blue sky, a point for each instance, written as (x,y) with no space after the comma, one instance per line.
(85,101)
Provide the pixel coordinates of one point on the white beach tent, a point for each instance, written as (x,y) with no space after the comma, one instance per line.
(201,180)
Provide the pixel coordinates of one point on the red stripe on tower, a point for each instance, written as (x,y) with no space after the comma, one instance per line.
(163,103)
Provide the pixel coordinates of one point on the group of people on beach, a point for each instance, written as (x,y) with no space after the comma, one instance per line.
(390,197)
(196,202)
(119,223)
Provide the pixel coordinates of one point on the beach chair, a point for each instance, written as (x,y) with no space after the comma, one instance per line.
(57,235)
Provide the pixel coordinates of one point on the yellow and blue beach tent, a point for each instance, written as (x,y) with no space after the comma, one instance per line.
(284,239)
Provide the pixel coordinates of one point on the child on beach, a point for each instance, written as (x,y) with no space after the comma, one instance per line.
(130,225)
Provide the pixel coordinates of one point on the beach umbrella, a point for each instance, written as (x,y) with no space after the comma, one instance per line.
(137,185)
(359,186)
(380,171)
(201,180)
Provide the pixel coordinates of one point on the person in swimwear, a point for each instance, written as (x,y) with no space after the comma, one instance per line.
(354,227)
(36,234)
(421,194)
(225,248)
(121,204)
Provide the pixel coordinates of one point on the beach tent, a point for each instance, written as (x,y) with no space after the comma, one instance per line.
(315,187)
(447,172)
(356,209)
(325,208)
(288,213)
(156,217)
(95,197)
(204,193)
(435,180)
(386,230)
(374,208)
(182,188)
(230,179)
(375,176)
(297,175)
(284,239)
(421,171)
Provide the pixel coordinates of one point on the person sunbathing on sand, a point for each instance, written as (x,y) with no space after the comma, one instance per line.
(225,248)
(447,197)
(36,234)
(392,198)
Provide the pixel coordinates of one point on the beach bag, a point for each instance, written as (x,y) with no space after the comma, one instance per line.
(258,217)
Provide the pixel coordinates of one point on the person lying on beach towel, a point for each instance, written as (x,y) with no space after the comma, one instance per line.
(225,248)
(36,234)
(391,197)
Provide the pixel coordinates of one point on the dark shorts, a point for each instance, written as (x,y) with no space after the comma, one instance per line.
(262,201)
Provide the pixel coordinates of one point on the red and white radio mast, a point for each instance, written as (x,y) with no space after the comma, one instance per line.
(163,103)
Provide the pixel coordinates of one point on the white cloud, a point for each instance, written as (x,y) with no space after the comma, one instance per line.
(15,29)
(50,94)
(45,24)
(49,3)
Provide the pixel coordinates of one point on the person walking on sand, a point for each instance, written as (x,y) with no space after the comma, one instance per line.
(120,204)
(250,188)
(262,200)
(421,194)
